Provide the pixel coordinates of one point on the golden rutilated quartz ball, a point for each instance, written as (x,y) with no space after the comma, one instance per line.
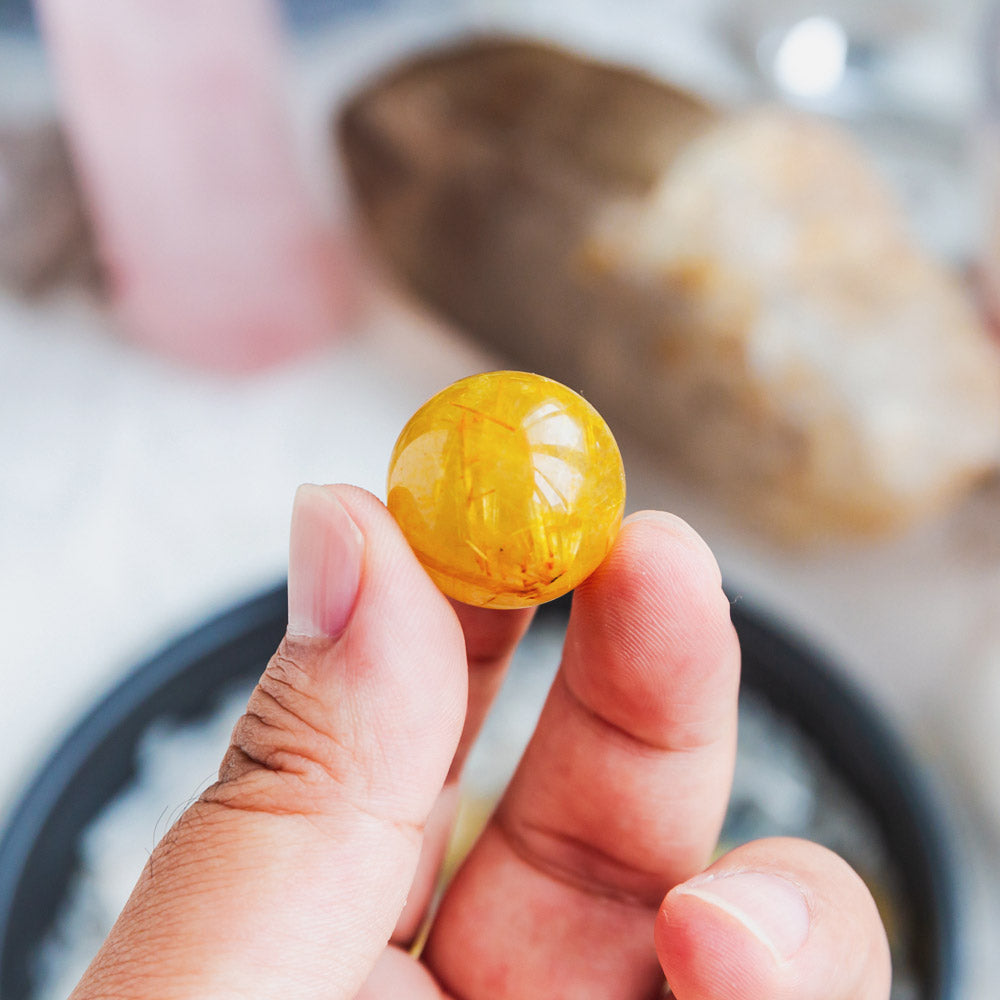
(509,488)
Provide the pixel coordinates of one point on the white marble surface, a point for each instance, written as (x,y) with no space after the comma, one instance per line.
(135,498)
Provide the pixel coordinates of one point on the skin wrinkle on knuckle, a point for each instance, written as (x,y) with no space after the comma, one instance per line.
(287,727)
(267,775)
(574,863)
(259,767)
(288,684)
(606,728)
(268,730)
(263,788)
(280,760)
(687,737)
(284,673)
(697,670)
(284,802)
(411,830)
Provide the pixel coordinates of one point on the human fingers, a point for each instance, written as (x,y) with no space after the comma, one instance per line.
(287,877)
(620,794)
(774,920)
(491,637)
(490,640)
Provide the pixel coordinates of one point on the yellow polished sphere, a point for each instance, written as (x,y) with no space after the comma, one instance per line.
(509,488)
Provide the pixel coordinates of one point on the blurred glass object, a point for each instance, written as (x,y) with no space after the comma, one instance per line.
(905,57)
(811,59)
(900,74)
(987,150)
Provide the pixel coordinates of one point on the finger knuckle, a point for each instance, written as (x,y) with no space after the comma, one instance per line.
(287,731)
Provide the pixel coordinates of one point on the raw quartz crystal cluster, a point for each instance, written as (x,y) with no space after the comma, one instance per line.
(737,288)
(509,488)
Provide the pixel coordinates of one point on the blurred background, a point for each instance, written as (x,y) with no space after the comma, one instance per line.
(235,256)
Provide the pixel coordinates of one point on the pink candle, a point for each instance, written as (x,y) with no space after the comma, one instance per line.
(176,115)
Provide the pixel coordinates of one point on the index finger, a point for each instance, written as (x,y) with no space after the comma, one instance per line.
(490,640)
(621,792)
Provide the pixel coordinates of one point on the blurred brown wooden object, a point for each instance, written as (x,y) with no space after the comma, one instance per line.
(739,288)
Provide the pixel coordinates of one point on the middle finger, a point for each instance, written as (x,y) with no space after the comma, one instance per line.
(621,792)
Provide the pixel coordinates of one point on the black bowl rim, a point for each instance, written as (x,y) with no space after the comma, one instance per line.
(824,703)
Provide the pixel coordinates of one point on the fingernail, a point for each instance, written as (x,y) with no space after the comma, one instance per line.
(324,564)
(771,907)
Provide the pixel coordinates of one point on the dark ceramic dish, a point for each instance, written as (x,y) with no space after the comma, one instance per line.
(39,850)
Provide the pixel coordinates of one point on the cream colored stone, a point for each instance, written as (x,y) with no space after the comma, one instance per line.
(740,290)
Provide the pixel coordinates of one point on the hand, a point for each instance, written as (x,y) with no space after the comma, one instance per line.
(321,839)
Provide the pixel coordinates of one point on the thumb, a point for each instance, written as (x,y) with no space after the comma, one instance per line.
(287,876)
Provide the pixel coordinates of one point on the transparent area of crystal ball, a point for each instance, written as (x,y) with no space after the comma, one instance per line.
(509,487)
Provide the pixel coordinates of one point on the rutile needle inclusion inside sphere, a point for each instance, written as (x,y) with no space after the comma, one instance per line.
(509,488)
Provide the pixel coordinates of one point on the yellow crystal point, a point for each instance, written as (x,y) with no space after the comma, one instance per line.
(509,488)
